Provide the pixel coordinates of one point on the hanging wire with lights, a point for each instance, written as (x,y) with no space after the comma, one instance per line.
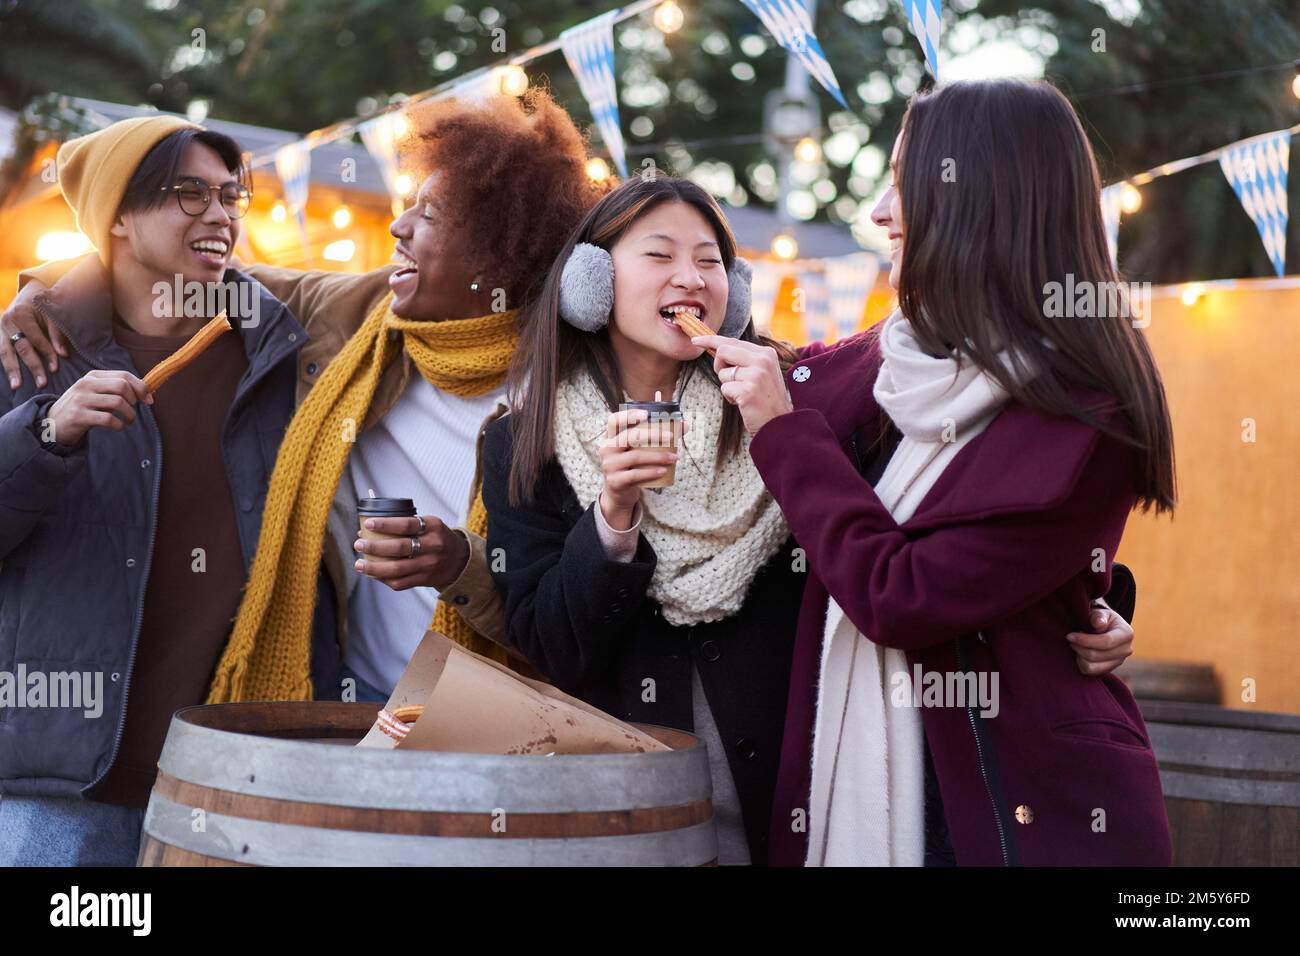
(505,76)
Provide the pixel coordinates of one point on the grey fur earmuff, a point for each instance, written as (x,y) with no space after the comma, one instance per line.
(587,291)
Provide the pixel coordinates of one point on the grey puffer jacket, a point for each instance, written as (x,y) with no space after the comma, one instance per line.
(77,532)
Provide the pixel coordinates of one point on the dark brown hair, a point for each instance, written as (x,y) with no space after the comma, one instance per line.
(1001,198)
(516,181)
(551,350)
(148,187)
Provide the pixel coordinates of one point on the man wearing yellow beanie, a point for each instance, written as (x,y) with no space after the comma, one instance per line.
(129,520)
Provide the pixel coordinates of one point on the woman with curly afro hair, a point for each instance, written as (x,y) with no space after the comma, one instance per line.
(407,363)
(411,358)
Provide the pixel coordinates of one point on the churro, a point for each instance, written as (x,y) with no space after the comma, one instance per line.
(187,353)
(693,327)
(409,714)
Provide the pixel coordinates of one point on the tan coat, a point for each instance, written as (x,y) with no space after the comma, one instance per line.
(331,306)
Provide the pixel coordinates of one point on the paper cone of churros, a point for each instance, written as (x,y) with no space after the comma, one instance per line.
(453,700)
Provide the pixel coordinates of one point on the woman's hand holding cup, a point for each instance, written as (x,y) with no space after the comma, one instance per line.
(634,453)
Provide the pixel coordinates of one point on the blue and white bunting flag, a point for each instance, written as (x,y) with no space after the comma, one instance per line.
(816,303)
(1256,170)
(589,48)
(763,287)
(380,136)
(788,21)
(1110,210)
(293,166)
(849,280)
(926,20)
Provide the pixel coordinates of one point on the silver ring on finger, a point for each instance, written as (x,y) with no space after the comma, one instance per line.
(415,547)
(17,337)
(420,518)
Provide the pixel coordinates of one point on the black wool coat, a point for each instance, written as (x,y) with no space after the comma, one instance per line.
(587,623)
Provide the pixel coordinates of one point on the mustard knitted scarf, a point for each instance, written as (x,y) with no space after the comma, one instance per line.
(268,656)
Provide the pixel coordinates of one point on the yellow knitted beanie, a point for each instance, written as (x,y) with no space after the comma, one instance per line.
(94,170)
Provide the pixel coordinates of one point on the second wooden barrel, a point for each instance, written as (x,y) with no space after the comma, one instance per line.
(1231,781)
(280,784)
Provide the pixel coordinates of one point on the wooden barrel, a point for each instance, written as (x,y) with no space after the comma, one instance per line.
(280,784)
(1170,680)
(1231,781)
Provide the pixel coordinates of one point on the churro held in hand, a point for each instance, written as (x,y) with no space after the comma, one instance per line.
(188,352)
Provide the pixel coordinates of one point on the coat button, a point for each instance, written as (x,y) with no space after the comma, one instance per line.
(606,620)
(710,651)
(801,374)
(622,592)
(144,463)
(130,562)
(293,336)
(311,368)
(460,599)
(745,747)
(115,676)
(615,609)
(246,504)
(1024,814)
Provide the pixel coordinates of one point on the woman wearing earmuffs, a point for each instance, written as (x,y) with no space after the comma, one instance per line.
(677,606)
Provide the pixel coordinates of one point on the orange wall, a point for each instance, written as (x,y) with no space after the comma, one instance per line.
(1221,582)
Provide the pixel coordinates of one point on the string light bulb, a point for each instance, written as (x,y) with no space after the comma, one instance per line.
(512,80)
(808,150)
(278,212)
(1192,292)
(597,169)
(784,246)
(668,17)
(403,184)
(1130,199)
(342,217)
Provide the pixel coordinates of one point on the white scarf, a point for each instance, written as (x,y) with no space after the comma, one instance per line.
(712,530)
(868,771)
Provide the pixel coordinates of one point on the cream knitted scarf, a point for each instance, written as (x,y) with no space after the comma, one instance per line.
(868,785)
(712,530)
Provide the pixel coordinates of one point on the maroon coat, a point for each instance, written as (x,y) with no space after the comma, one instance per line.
(990,573)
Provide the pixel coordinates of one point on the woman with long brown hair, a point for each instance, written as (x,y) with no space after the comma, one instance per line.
(676,606)
(1005,445)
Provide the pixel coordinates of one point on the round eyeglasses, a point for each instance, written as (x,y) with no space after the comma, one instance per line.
(194,196)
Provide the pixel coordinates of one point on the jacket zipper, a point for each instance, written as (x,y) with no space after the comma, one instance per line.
(148,564)
(139,608)
(964,664)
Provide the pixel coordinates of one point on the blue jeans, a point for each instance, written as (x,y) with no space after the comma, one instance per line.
(67,831)
(364,691)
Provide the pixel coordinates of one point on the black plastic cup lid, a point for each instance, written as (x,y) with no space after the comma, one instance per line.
(662,408)
(387,506)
